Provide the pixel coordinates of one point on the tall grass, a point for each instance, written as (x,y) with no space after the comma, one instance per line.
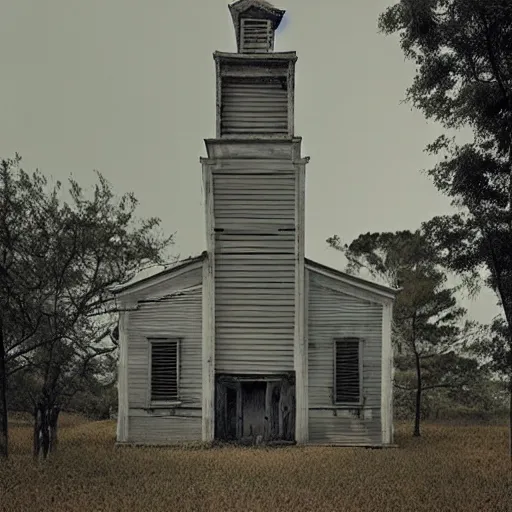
(449,469)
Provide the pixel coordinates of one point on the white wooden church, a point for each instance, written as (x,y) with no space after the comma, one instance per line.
(251,341)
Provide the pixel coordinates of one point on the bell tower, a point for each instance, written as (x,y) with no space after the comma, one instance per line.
(255,85)
(254,186)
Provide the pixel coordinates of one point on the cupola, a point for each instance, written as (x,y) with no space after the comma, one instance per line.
(255,24)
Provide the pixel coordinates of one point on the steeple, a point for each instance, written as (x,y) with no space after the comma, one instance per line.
(255,86)
(255,24)
(254,183)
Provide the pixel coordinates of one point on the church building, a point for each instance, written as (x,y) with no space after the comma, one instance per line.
(250,341)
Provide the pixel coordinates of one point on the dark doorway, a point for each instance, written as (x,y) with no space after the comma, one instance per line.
(254,410)
(231,416)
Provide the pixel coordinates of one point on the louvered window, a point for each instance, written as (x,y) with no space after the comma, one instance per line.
(348,371)
(257,36)
(256,106)
(164,370)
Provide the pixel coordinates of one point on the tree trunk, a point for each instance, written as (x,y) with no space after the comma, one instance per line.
(4,426)
(417,416)
(53,423)
(510,416)
(36,449)
(45,429)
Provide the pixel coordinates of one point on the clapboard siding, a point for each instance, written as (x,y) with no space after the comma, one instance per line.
(254,106)
(179,280)
(254,201)
(254,306)
(343,427)
(268,245)
(164,429)
(178,316)
(333,314)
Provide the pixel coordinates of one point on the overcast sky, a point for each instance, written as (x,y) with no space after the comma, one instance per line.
(127,87)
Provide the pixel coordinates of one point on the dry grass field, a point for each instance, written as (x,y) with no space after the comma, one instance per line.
(450,469)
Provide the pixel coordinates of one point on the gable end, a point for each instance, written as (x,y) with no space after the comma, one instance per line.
(352,285)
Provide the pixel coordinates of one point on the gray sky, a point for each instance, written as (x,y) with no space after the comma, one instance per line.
(128,87)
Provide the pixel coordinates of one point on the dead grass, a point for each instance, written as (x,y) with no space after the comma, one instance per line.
(449,469)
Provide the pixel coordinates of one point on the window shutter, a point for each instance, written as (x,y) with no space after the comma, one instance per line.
(348,371)
(257,36)
(164,370)
(254,106)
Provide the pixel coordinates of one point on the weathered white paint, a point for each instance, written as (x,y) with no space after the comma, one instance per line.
(253,304)
(170,313)
(177,317)
(387,375)
(241,69)
(208,344)
(181,412)
(265,14)
(300,345)
(255,265)
(251,105)
(335,314)
(249,108)
(349,285)
(259,149)
(274,56)
(122,383)
(218,98)
(164,430)
(246,203)
(291,97)
(178,278)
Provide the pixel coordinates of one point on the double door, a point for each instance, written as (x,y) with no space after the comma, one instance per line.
(255,410)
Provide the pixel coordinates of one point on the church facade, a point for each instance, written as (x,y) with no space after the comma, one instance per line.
(251,341)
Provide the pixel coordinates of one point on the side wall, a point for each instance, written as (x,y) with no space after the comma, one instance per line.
(178,315)
(332,314)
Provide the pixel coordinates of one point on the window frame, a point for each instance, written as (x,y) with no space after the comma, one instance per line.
(360,342)
(153,404)
(270,34)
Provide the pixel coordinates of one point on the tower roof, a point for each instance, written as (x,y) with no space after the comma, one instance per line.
(241,6)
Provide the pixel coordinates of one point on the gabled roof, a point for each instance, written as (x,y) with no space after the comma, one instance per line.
(353,280)
(240,6)
(156,271)
(142,277)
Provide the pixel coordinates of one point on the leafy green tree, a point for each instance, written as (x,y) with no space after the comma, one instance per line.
(493,346)
(463,79)
(427,322)
(58,264)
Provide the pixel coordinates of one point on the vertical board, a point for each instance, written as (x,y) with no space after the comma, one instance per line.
(300,344)
(178,316)
(122,384)
(333,314)
(208,314)
(254,208)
